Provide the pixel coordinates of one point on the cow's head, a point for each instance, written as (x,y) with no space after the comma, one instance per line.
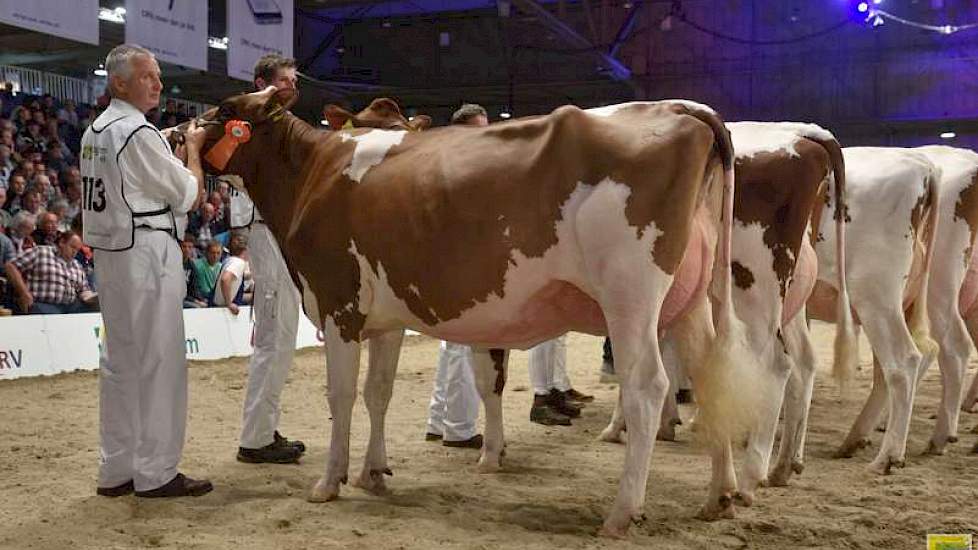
(382,113)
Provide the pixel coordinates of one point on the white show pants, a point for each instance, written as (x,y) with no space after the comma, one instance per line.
(548,366)
(276,309)
(143,376)
(454,407)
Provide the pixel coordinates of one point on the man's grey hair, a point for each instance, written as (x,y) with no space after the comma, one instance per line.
(59,204)
(21,217)
(467,112)
(119,61)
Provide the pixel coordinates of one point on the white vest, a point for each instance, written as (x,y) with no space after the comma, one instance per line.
(243,211)
(109,222)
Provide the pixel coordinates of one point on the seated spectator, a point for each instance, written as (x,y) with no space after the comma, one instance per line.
(32,139)
(6,164)
(46,233)
(5,217)
(234,278)
(31,203)
(206,272)
(7,250)
(15,193)
(220,214)
(188,248)
(42,184)
(20,231)
(59,207)
(47,279)
(68,113)
(203,225)
(73,193)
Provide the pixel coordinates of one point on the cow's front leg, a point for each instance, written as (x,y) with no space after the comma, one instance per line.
(384,352)
(342,368)
(490,378)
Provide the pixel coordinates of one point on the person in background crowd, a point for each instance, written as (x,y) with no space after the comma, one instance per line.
(59,208)
(47,279)
(7,253)
(231,289)
(47,229)
(203,226)
(73,194)
(6,164)
(143,365)
(31,203)
(21,227)
(15,193)
(5,217)
(206,272)
(189,250)
(43,187)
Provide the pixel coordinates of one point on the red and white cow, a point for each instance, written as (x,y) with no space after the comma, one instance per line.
(500,237)
(892,205)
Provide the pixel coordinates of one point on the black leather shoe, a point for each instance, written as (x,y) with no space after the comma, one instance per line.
(575,396)
(474,442)
(557,401)
(273,453)
(285,442)
(180,486)
(117,491)
(543,414)
(428,436)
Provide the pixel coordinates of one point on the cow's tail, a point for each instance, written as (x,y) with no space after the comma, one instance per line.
(728,387)
(919,320)
(846,344)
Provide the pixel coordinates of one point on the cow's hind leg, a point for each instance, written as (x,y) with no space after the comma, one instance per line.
(953,352)
(858,437)
(384,351)
(342,368)
(797,403)
(490,379)
(970,403)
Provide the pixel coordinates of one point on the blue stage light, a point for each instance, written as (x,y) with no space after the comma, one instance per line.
(862,7)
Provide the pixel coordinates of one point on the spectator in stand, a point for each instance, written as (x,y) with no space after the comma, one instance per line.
(7,252)
(20,231)
(206,271)
(6,164)
(32,138)
(21,115)
(220,212)
(26,168)
(56,157)
(46,233)
(43,186)
(73,193)
(5,217)
(15,192)
(31,203)
(235,275)
(188,248)
(202,225)
(69,114)
(47,279)
(59,207)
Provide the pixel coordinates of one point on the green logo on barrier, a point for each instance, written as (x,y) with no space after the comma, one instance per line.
(948,542)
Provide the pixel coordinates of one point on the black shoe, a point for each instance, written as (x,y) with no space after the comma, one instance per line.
(180,486)
(117,491)
(542,413)
(284,442)
(557,401)
(474,442)
(684,396)
(575,396)
(273,453)
(428,436)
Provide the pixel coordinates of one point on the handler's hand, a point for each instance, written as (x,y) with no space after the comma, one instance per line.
(194,136)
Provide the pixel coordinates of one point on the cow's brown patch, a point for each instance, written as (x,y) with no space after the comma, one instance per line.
(778,190)
(742,276)
(966,208)
(499,363)
(444,213)
(919,210)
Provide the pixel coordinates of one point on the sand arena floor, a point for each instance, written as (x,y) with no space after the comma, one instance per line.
(556,485)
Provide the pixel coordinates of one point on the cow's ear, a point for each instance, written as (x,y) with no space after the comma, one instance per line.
(384,108)
(337,117)
(420,122)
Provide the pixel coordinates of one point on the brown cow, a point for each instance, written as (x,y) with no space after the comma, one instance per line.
(499,237)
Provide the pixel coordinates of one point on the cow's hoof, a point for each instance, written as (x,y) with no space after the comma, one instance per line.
(666,433)
(974,449)
(798,467)
(611,435)
(884,466)
(971,407)
(779,476)
(934,448)
(952,439)
(744,499)
(849,449)
(372,481)
(723,508)
(613,530)
(974,430)
(324,491)
(488,466)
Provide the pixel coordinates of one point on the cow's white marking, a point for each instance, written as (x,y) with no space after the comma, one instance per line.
(752,138)
(310,304)
(371,149)
(609,110)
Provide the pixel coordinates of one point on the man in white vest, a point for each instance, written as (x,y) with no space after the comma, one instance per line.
(276,309)
(135,197)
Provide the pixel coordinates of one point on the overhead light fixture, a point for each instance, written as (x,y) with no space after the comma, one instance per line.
(627,5)
(948,135)
(505,115)
(118,15)
(324,122)
(386,24)
(863,7)
(100,71)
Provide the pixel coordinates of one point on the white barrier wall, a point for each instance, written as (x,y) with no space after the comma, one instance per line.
(36,345)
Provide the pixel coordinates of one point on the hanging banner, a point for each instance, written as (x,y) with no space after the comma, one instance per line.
(256,28)
(72,19)
(174,30)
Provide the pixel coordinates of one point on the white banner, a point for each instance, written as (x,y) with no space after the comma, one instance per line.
(72,19)
(174,30)
(256,28)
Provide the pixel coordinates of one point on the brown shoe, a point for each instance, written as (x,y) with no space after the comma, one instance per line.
(474,442)
(117,491)
(558,402)
(180,486)
(428,436)
(575,396)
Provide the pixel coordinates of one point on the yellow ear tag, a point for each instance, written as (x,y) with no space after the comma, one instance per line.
(348,125)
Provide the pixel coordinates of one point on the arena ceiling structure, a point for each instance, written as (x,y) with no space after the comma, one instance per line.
(879,71)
